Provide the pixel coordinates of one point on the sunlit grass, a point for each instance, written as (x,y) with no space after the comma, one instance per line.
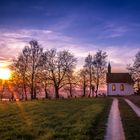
(80,119)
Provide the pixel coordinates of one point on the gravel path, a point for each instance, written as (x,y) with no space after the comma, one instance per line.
(134,107)
(114,129)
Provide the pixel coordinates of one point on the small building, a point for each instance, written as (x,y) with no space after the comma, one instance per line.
(119,83)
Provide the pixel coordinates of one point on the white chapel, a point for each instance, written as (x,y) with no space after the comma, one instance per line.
(119,83)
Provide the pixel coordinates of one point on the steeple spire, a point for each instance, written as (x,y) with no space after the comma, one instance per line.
(109,68)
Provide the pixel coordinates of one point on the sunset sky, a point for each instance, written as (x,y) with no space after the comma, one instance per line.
(81,26)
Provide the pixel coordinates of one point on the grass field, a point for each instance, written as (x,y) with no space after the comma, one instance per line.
(131,122)
(135,99)
(76,119)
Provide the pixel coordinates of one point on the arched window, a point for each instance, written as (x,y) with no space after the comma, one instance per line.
(113,87)
(122,87)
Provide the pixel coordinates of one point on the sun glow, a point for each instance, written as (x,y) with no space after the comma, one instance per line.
(5,73)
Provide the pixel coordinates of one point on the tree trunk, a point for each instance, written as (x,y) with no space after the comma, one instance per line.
(32,91)
(33,88)
(32,95)
(93,88)
(25,91)
(97,86)
(70,90)
(32,80)
(84,88)
(12,96)
(56,92)
(26,98)
(90,90)
(35,92)
(46,93)
(84,91)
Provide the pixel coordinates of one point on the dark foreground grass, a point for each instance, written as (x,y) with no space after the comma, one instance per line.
(131,122)
(135,99)
(77,119)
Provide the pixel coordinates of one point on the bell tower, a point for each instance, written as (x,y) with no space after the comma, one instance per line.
(109,68)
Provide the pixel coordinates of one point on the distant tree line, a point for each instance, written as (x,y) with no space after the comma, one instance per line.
(134,70)
(35,70)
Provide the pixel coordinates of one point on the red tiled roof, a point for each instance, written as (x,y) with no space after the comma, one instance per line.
(119,78)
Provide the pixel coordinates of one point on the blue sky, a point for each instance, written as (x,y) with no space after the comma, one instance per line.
(82,26)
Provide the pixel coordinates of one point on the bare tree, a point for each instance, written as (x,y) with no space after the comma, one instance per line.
(135,71)
(99,64)
(35,52)
(44,80)
(89,67)
(84,80)
(71,82)
(59,64)
(27,66)
(20,68)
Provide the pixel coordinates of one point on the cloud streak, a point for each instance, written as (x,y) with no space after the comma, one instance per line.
(12,42)
(113,31)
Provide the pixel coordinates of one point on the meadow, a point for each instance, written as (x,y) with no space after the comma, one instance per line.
(135,99)
(130,121)
(77,119)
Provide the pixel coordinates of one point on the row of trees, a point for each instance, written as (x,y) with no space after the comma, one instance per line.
(36,69)
(93,72)
(134,70)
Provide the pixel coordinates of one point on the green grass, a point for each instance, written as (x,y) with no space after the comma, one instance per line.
(131,122)
(135,99)
(77,119)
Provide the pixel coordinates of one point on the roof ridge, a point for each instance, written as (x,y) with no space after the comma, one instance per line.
(119,77)
(118,73)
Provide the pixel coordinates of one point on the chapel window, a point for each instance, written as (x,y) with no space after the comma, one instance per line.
(122,87)
(113,87)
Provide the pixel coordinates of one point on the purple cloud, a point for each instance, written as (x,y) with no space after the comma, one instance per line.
(12,42)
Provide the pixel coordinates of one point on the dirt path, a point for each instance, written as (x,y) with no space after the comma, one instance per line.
(134,107)
(114,129)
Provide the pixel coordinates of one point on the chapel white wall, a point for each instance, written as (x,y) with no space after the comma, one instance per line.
(128,89)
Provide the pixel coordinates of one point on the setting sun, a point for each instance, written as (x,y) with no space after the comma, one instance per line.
(5,73)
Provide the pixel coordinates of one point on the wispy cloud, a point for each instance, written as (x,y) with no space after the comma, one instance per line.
(112,31)
(12,42)
(120,56)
